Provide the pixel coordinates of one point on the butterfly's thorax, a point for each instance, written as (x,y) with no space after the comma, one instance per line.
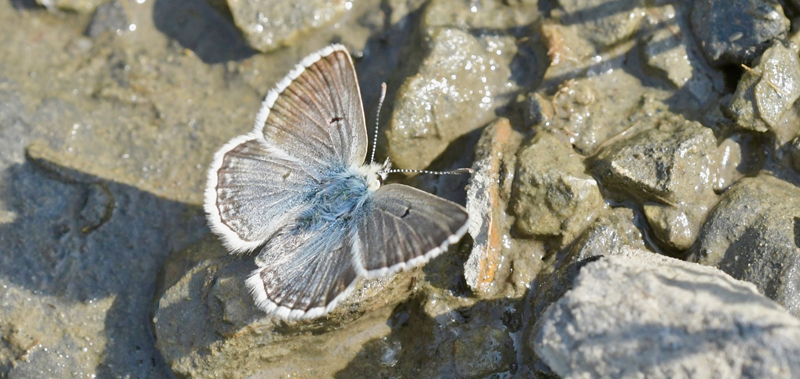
(338,197)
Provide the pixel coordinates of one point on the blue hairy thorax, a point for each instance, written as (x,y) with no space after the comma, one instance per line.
(335,201)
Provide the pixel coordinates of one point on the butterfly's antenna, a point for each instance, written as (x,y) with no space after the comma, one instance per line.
(377,123)
(454,172)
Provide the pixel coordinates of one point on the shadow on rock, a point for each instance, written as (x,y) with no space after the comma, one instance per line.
(78,266)
(24,4)
(201,29)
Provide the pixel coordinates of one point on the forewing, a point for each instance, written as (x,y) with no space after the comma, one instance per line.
(304,275)
(404,227)
(316,113)
(253,190)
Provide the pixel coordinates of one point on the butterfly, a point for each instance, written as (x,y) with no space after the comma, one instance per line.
(298,189)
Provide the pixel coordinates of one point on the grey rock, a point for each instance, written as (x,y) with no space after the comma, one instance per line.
(456,90)
(608,235)
(270,24)
(204,306)
(768,91)
(552,194)
(109,17)
(737,31)
(752,234)
(603,22)
(640,314)
(669,165)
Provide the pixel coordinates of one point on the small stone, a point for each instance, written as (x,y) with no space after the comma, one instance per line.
(753,234)
(674,226)
(668,163)
(604,22)
(80,6)
(768,90)
(586,111)
(666,51)
(553,196)
(435,335)
(608,235)
(794,151)
(535,110)
(269,24)
(738,156)
(455,91)
(482,351)
(565,47)
(467,14)
(641,314)
(670,51)
(109,17)
(737,31)
(487,197)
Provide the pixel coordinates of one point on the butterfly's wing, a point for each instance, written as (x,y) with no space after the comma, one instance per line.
(253,190)
(304,274)
(316,113)
(403,227)
(311,122)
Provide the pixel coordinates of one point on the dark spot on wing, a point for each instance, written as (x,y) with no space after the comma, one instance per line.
(335,120)
(408,210)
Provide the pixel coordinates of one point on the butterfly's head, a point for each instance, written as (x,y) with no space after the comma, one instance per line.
(375,174)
